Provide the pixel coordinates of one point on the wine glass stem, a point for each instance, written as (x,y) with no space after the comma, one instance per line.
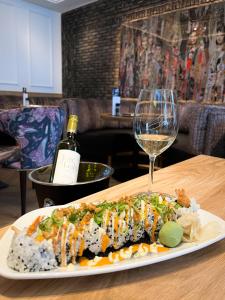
(151,170)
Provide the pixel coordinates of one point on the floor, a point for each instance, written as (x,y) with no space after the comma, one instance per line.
(10,197)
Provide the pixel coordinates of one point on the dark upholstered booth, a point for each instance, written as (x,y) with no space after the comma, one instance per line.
(201,131)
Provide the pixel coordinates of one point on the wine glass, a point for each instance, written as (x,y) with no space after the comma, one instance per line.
(155,123)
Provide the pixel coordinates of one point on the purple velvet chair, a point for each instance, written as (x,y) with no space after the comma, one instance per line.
(37,131)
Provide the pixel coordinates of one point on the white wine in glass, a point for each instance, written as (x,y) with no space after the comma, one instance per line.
(155,123)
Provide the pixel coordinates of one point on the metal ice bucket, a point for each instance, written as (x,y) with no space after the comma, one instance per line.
(92,177)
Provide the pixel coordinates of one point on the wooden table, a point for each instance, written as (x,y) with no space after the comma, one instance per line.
(200,275)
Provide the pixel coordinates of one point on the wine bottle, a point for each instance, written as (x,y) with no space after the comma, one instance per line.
(67,159)
(27,101)
(115,100)
(25,96)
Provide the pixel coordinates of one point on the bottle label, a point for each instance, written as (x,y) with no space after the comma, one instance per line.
(25,96)
(27,102)
(115,100)
(67,165)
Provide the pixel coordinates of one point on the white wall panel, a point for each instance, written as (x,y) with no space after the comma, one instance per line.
(30,48)
(22,46)
(41,58)
(8,48)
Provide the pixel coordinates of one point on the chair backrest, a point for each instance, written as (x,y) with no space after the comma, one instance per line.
(37,131)
(215,132)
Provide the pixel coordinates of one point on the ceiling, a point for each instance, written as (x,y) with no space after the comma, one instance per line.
(63,5)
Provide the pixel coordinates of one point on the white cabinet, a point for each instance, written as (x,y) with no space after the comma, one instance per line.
(8,46)
(30,48)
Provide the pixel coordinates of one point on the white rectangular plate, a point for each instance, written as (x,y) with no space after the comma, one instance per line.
(182,249)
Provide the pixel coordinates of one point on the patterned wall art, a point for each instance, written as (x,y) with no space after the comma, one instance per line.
(183,50)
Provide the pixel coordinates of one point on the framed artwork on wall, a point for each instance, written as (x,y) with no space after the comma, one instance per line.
(183,50)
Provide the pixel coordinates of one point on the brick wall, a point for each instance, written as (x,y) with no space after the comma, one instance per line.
(91,42)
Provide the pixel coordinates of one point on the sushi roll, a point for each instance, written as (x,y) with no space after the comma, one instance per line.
(69,233)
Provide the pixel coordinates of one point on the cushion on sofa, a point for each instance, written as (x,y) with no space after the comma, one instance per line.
(197,128)
(182,143)
(215,138)
(184,111)
(97,145)
(192,129)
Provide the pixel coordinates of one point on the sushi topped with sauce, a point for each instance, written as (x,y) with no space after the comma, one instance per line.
(72,234)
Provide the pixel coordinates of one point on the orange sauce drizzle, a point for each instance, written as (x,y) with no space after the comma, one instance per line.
(135,248)
(39,238)
(33,227)
(75,233)
(116,255)
(81,248)
(105,242)
(136,217)
(85,262)
(162,249)
(107,218)
(104,261)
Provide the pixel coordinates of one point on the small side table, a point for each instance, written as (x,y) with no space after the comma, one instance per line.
(118,118)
